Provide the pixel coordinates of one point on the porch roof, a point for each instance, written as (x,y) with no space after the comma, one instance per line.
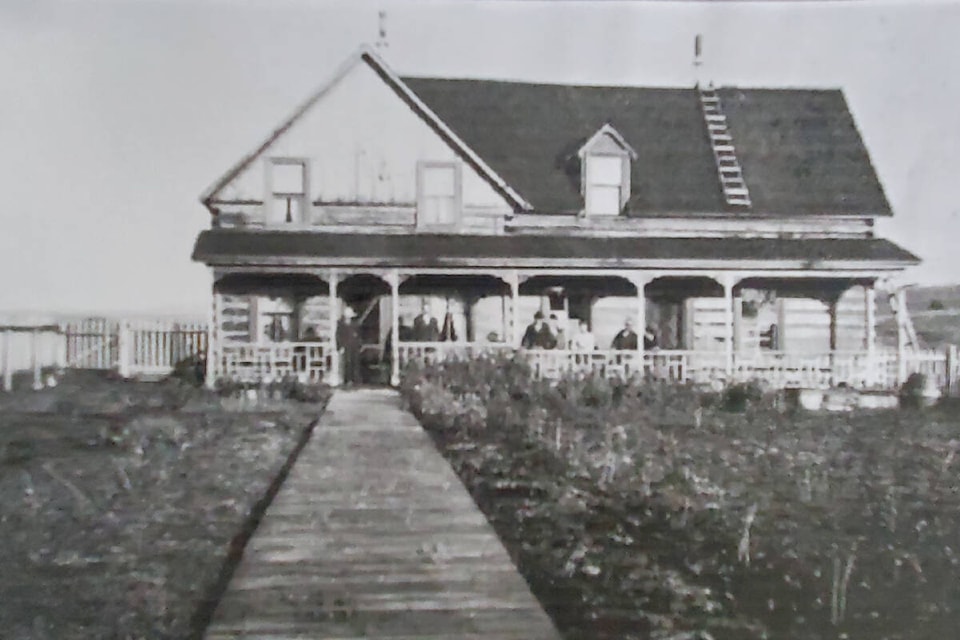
(245,247)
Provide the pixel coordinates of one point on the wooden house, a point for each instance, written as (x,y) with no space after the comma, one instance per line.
(737,223)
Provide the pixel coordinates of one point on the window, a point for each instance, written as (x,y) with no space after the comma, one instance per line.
(604,185)
(288,186)
(438,201)
(605,172)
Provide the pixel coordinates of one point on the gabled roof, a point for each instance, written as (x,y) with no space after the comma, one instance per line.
(366,55)
(607,130)
(800,150)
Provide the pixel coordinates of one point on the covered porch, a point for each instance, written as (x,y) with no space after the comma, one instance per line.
(787,320)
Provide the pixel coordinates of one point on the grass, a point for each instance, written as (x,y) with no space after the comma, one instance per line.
(123,500)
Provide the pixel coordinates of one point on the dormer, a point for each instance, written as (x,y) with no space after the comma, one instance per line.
(605,172)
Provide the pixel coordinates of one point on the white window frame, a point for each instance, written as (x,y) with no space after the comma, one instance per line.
(422,167)
(273,198)
(621,184)
(606,143)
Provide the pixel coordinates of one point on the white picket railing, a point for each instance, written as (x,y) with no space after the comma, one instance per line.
(860,370)
(309,362)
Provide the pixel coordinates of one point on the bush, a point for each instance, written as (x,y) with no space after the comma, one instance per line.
(191,370)
(738,397)
(936,305)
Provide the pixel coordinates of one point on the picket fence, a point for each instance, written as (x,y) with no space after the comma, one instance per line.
(132,347)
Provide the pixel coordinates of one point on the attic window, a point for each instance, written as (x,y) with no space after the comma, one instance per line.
(605,172)
(288,181)
(438,194)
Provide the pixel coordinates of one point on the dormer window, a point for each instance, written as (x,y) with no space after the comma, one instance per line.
(288,186)
(605,172)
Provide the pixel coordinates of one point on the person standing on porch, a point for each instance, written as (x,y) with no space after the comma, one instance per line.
(425,328)
(348,340)
(559,335)
(538,335)
(449,331)
(650,340)
(584,340)
(626,340)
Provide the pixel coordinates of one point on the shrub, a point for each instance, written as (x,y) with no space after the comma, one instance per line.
(936,305)
(738,397)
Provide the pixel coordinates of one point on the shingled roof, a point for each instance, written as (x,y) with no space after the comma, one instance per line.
(433,250)
(800,150)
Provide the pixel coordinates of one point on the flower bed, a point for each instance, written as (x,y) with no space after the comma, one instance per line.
(642,510)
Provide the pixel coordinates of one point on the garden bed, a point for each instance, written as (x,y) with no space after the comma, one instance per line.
(650,511)
(122,501)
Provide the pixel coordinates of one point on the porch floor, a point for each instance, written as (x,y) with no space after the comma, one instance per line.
(373,536)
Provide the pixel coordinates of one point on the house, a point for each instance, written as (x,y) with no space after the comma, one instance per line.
(738,223)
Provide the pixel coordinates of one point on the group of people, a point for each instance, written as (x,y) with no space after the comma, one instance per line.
(541,334)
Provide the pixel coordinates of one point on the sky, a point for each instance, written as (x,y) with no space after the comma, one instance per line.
(115,116)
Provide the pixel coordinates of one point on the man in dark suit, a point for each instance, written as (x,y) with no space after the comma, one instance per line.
(425,327)
(538,335)
(626,340)
(348,341)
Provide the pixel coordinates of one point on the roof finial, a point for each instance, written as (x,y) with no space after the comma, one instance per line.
(382,36)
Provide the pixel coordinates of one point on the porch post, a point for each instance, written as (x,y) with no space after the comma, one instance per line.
(213,342)
(728,282)
(901,302)
(832,305)
(513,280)
(394,279)
(334,304)
(870,333)
(640,281)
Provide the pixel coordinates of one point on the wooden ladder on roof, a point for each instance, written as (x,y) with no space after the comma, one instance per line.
(735,190)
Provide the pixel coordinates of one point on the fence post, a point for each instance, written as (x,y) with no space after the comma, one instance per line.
(35,359)
(123,349)
(7,365)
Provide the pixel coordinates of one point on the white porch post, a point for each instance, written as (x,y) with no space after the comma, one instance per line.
(640,282)
(901,302)
(513,279)
(728,282)
(394,280)
(333,303)
(213,342)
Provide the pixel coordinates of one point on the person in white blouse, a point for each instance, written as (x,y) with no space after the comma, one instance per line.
(584,340)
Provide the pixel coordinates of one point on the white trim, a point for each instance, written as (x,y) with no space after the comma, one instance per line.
(423,165)
(608,130)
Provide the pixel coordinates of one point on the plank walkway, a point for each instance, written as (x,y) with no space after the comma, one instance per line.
(373,536)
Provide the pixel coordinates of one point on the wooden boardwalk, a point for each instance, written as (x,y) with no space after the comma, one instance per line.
(373,536)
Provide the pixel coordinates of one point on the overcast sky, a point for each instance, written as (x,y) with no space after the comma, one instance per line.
(115,116)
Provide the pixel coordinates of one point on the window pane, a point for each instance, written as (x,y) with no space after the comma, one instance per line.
(439,181)
(603,200)
(604,170)
(288,178)
(438,211)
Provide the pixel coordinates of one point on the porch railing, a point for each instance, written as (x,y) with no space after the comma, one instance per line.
(855,369)
(307,361)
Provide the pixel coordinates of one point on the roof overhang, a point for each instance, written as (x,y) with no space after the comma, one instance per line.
(231,247)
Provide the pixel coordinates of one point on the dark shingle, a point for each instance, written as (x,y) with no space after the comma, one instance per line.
(800,149)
